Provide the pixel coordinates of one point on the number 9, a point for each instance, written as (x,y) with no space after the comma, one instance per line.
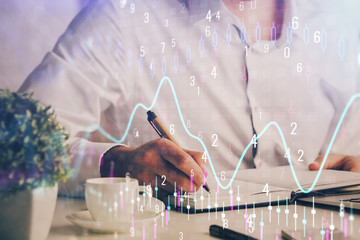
(149,190)
(132,8)
(132,232)
(266,48)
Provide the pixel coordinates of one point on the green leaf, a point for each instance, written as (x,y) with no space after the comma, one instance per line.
(28,114)
(34,142)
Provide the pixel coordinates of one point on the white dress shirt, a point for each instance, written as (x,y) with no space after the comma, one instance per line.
(229,85)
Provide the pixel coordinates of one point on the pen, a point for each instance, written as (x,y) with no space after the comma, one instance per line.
(163,132)
(224,233)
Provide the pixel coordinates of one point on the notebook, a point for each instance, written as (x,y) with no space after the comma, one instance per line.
(348,197)
(261,187)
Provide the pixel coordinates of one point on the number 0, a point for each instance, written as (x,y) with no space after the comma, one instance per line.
(286,52)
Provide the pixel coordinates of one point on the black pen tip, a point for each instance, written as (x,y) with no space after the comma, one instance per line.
(206,187)
(151,115)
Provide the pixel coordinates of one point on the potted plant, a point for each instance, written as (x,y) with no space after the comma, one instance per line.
(33,158)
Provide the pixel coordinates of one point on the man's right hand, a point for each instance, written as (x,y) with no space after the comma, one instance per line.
(156,159)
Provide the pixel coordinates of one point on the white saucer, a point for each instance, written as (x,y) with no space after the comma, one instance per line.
(149,214)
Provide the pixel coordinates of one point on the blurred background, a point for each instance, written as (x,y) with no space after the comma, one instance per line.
(30,28)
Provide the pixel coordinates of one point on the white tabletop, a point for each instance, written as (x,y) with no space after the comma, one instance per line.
(196,226)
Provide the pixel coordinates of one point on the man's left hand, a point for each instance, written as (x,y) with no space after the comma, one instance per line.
(337,162)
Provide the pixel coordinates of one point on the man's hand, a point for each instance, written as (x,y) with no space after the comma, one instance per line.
(157,158)
(338,162)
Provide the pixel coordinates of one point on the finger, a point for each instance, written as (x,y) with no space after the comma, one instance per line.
(148,177)
(176,178)
(156,165)
(167,186)
(163,190)
(163,156)
(347,163)
(172,176)
(198,157)
(180,159)
(333,161)
(351,163)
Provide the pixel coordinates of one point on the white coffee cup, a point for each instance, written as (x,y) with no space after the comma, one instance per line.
(113,199)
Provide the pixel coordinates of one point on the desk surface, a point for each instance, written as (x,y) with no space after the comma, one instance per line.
(184,226)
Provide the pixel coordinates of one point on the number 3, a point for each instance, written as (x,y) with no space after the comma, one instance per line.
(146,17)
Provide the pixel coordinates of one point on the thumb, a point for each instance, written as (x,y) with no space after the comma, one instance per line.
(314,166)
(332,161)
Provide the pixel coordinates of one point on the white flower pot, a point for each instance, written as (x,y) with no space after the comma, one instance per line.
(27,215)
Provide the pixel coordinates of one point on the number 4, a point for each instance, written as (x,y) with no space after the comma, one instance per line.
(218,15)
(213,72)
(204,156)
(266,189)
(287,153)
(208,16)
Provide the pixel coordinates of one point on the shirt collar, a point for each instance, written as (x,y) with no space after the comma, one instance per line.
(199,9)
(287,33)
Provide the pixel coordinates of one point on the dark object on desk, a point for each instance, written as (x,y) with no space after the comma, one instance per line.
(332,202)
(285,236)
(224,233)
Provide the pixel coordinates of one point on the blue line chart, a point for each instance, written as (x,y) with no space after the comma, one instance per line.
(94,127)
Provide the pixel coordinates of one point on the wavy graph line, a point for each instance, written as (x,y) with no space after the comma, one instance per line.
(165,78)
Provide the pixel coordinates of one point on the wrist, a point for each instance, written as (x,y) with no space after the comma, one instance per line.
(111,161)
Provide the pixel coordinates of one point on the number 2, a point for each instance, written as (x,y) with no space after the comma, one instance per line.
(164,179)
(294,126)
(301,152)
(215,138)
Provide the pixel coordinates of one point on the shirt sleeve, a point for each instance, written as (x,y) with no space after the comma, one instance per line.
(343,90)
(77,79)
